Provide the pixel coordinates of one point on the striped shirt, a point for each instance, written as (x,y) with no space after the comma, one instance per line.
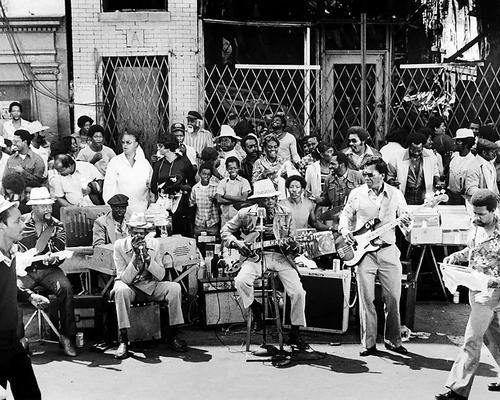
(199,140)
(202,197)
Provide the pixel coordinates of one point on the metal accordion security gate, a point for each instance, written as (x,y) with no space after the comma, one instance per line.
(134,93)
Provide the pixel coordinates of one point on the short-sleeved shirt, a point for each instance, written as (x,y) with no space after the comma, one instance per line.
(70,186)
(32,165)
(207,214)
(87,154)
(232,187)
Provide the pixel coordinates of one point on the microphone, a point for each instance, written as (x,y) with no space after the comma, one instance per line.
(141,253)
(261,212)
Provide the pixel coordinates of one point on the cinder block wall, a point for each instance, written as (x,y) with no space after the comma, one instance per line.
(173,33)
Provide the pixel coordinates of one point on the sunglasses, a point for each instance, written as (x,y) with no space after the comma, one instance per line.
(353,140)
(368,174)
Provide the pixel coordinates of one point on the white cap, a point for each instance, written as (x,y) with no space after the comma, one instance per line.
(464,133)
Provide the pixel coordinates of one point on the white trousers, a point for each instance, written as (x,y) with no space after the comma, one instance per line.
(169,292)
(385,264)
(276,262)
(483,326)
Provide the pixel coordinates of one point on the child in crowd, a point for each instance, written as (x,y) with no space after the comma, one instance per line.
(204,198)
(232,191)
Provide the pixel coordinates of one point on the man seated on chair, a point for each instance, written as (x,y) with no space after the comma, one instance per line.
(278,224)
(47,235)
(139,277)
(112,225)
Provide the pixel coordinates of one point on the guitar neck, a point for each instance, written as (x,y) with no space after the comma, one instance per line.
(266,243)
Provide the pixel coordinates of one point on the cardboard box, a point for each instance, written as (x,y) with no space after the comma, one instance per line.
(429,235)
(454,218)
(424,217)
(457,237)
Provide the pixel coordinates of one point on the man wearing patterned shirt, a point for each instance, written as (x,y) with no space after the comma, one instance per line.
(483,255)
(47,235)
(204,197)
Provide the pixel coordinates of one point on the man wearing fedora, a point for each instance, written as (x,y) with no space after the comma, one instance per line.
(110,227)
(460,165)
(278,224)
(47,235)
(15,365)
(139,277)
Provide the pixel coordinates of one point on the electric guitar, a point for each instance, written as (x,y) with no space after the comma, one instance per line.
(24,260)
(352,254)
(234,259)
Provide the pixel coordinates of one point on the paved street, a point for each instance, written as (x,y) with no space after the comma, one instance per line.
(211,370)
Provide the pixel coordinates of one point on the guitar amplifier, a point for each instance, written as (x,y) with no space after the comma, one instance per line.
(327,300)
(220,304)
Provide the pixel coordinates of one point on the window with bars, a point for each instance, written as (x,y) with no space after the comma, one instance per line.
(134,5)
(135,96)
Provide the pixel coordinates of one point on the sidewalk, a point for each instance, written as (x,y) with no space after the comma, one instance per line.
(216,367)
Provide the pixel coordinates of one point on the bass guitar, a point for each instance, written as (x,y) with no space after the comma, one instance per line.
(366,237)
(24,260)
(233,259)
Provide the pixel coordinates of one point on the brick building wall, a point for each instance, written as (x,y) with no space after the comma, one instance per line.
(173,33)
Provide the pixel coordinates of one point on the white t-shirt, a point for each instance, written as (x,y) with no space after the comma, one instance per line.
(70,186)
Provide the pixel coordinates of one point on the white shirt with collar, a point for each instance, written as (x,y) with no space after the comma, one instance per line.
(8,128)
(70,186)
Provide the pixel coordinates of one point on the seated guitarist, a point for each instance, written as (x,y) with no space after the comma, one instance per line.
(278,224)
(47,235)
(376,199)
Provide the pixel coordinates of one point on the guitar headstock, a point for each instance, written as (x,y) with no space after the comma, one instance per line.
(432,200)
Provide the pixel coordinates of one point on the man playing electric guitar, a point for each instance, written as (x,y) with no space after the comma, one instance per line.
(47,235)
(278,224)
(376,199)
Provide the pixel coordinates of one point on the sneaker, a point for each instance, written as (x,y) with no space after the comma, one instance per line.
(296,340)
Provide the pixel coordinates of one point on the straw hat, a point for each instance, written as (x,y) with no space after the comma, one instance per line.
(227,131)
(36,126)
(5,204)
(39,196)
(138,220)
(464,133)
(264,188)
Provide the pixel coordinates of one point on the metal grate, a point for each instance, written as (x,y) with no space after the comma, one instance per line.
(261,91)
(135,95)
(459,93)
(341,101)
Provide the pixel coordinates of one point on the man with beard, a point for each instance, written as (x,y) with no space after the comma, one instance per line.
(47,235)
(111,226)
(196,136)
(227,141)
(96,152)
(278,224)
(251,146)
(415,170)
(16,122)
(359,151)
(15,365)
(287,150)
(482,255)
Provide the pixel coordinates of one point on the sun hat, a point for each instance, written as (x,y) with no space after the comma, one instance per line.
(264,188)
(40,196)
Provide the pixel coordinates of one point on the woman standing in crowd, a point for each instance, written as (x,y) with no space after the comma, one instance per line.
(84,123)
(129,173)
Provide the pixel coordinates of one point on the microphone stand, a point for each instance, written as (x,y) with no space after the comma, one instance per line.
(262,288)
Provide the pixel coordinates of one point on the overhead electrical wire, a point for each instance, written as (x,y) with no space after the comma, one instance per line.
(26,71)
